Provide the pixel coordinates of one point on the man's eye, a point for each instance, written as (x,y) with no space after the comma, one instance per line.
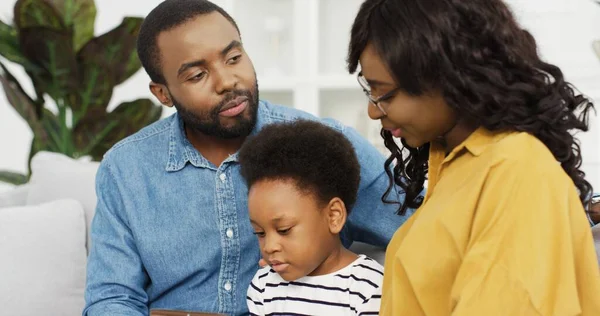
(234,59)
(198,76)
(259,234)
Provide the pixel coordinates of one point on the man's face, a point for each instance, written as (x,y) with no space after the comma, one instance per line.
(209,77)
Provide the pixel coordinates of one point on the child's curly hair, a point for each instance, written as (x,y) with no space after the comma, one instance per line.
(319,159)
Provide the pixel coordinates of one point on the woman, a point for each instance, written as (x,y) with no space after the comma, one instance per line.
(502,229)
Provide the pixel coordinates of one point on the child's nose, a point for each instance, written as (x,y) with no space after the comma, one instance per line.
(271,245)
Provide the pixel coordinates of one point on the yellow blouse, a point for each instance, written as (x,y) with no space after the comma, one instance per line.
(501,232)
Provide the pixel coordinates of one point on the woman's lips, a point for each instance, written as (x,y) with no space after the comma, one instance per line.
(396,132)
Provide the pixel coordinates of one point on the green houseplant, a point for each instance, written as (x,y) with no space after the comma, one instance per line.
(53,40)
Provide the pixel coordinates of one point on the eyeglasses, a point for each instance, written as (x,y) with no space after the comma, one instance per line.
(376,101)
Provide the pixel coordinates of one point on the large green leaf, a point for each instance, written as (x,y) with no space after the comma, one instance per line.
(81,14)
(115,50)
(54,142)
(38,88)
(96,88)
(13,177)
(104,62)
(132,66)
(132,62)
(135,115)
(52,51)
(9,44)
(95,135)
(37,13)
(21,102)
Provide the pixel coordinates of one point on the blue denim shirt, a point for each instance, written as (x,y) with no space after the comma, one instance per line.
(171,230)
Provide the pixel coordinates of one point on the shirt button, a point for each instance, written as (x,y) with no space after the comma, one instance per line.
(223,177)
(229,233)
(227,286)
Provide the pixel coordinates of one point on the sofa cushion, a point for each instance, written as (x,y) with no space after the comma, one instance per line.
(56,176)
(15,196)
(43,259)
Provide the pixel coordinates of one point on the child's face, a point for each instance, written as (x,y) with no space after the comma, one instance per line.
(295,233)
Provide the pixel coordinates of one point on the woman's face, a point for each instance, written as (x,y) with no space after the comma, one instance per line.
(416,119)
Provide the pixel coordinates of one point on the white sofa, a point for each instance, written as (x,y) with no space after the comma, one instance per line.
(43,236)
(44,233)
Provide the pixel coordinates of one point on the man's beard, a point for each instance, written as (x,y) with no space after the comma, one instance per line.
(208,122)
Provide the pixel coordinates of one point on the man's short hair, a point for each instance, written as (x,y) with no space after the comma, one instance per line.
(168,15)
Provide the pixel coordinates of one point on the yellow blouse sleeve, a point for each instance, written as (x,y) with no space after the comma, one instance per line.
(530,250)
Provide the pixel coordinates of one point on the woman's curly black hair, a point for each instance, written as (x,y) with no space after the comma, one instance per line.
(488,70)
(319,159)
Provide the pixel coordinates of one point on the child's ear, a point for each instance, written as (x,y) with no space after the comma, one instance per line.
(336,215)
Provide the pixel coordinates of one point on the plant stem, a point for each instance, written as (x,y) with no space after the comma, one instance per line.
(65,133)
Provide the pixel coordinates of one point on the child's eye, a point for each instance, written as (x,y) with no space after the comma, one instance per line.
(260,234)
(284,231)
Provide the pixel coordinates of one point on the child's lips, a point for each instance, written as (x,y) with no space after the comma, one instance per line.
(278,266)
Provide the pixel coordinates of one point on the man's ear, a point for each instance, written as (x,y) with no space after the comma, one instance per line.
(161,92)
(336,215)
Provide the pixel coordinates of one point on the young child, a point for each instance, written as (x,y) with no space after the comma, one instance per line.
(303,179)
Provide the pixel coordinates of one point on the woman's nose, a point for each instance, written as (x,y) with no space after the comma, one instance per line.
(374,112)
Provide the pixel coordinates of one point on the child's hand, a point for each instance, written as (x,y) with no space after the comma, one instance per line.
(262,263)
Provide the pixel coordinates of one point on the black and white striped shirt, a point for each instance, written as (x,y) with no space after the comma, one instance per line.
(353,290)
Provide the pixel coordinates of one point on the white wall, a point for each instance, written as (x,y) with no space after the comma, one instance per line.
(564,30)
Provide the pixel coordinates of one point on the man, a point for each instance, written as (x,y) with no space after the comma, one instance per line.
(171,229)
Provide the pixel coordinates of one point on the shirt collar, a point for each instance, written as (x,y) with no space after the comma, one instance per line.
(476,143)
(181,151)
(480,139)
